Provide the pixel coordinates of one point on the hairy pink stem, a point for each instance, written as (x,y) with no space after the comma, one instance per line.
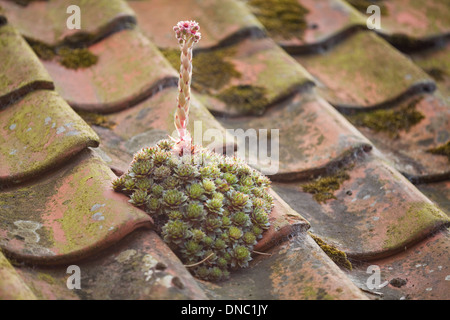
(187,33)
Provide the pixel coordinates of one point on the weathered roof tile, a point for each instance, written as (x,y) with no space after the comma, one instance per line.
(416,19)
(420,272)
(376,211)
(39,132)
(129,69)
(222,22)
(67,215)
(324,22)
(295,270)
(439,192)
(12,286)
(364,71)
(46,21)
(20,70)
(407,132)
(140,266)
(311,136)
(436,63)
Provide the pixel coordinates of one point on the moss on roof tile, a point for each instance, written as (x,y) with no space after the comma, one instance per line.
(282,18)
(443,150)
(391,121)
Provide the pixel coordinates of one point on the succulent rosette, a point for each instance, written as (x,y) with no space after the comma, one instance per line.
(205,207)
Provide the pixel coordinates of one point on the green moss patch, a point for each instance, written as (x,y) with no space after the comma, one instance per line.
(76,58)
(245,98)
(437,73)
(443,150)
(285,18)
(24,3)
(68,57)
(362,5)
(391,121)
(42,50)
(96,119)
(210,71)
(339,257)
(323,188)
(417,217)
(405,43)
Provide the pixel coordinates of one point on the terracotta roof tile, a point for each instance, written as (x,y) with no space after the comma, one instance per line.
(66,215)
(20,70)
(416,18)
(326,22)
(284,222)
(419,273)
(46,21)
(39,132)
(439,192)
(267,72)
(436,62)
(222,22)
(295,270)
(407,147)
(377,212)
(126,57)
(139,267)
(365,72)
(12,286)
(312,136)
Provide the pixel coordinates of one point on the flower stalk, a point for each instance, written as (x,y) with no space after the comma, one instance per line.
(187,34)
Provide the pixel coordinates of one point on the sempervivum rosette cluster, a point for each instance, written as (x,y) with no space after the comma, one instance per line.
(210,209)
(205,206)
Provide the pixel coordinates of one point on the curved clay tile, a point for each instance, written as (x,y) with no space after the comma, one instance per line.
(20,70)
(129,69)
(325,22)
(417,19)
(12,285)
(66,216)
(46,21)
(311,136)
(38,133)
(365,72)
(419,273)
(295,270)
(261,74)
(375,211)
(140,267)
(222,22)
(409,148)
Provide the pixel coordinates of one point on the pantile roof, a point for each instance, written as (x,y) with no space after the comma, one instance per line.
(360,115)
